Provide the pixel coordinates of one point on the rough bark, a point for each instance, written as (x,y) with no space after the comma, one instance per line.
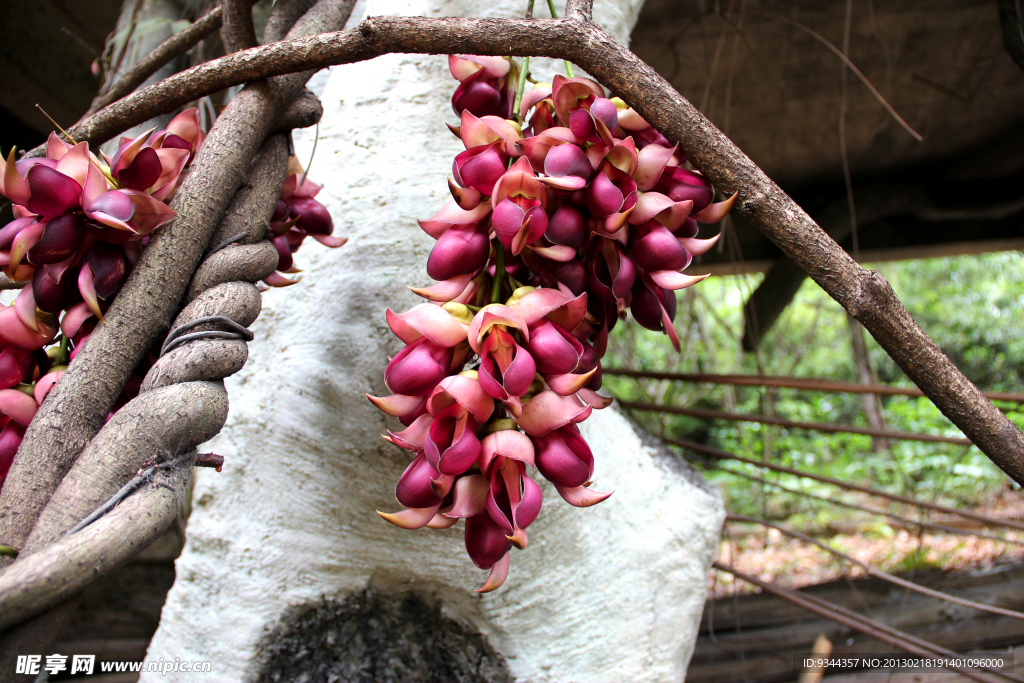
(143,309)
(154,426)
(304,112)
(237,32)
(253,205)
(866,295)
(247,262)
(63,569)
(198,361)
(239,301)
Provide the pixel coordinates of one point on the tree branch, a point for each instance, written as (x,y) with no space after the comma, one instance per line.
(60,571)
(864,294)
(237,33)
(176,45)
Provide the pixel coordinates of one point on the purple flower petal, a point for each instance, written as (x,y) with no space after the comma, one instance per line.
(59,240)
(461,249)
(53,193)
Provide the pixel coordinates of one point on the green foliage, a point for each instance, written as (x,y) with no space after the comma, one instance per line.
(971,306)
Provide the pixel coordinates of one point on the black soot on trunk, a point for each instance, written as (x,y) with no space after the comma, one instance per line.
(373,638)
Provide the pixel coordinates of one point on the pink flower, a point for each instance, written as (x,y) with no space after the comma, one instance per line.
(16,412)
(486,85)
(417,368)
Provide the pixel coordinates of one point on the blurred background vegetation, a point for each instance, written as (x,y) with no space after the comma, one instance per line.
(972,307)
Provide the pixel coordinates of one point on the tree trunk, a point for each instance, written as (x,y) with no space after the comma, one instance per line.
(288,572)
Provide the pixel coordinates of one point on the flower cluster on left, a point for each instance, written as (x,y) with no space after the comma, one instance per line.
(81,222)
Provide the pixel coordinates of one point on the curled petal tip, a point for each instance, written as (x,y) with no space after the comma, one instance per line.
(330,240)
(439,521)
(715,212)
(581,496)
(672,280)
(275,279)
(699,247)
(518,539)
(411,518)
(499,572)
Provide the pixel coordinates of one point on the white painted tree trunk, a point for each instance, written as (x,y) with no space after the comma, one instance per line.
(610,593)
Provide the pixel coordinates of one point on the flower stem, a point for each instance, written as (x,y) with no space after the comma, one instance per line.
(499,273)
(62,357)
(522,74)
(554,15)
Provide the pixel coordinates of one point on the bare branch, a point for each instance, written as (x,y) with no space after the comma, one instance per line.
(7,283)
(176,45)
(828,427)
(878,573)
(850,486)
(60,571)
(237,33)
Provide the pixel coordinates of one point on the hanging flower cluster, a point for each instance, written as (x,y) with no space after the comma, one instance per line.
(80,225)
(296,216)
(552,233)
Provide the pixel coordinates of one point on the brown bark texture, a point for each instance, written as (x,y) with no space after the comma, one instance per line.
(63,569)
(178,408)
(237,32)
(72,416)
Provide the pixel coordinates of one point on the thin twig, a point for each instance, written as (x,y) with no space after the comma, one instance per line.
(805,383)
(237,32)
(163,53)
(872,511)
(717,453)
(853,67)
(878,573)
(782,422)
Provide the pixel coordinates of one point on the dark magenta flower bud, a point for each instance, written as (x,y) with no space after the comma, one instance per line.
(52,193)
(460,250)
(417,368)
(452,446)
(314,217)
(59,241)
(414,489)
(109,267)
(563,456)
(280,212)
(486,543)
(553,348)
(572,274)
(284,253)
(611,191)
(653,248)
(143,171)
(54,297)
(15,365)
(480,167)
(680,184)
(566,227)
